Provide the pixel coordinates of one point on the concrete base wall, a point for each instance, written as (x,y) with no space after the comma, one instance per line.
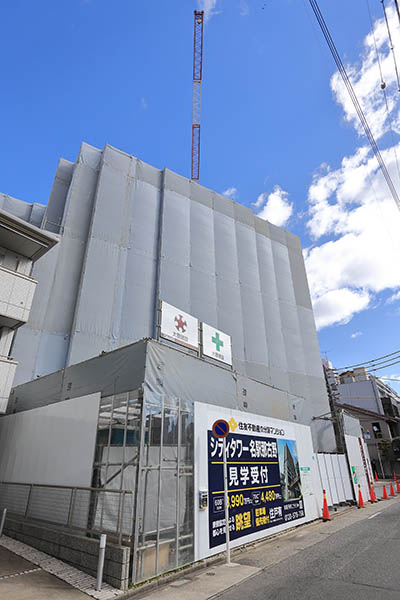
(80,552)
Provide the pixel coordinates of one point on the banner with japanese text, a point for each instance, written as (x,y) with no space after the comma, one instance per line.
(264,486)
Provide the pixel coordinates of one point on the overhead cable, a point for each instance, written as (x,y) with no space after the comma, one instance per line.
(374,360)
(383,88)
(360,113)
(391,45)
(397,9)
(390,365)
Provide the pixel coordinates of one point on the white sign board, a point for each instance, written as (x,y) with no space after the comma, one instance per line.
(267,460)
(179,327)
(216,344)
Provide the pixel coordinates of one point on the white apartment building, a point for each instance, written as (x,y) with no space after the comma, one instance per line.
(21,244)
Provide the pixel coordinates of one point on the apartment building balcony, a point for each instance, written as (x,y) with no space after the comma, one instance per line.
(16,295)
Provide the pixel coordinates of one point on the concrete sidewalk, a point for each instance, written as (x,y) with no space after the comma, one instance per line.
(22,580)
(211,582)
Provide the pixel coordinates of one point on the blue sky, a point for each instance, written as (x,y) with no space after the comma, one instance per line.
(278,133)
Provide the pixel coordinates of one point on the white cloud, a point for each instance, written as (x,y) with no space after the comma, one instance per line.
(231,193)
(393,298)
(209,7)
(274,207)
(143,103)
(352,205)
(356,334)
(365,79)
(338,306)
(244,8)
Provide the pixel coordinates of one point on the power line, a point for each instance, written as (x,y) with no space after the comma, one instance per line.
(397,9)
(360,113)
(383,88)
(390,365)
(374,360)
(391,45)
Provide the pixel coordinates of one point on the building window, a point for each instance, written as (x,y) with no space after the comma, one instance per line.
(376,428)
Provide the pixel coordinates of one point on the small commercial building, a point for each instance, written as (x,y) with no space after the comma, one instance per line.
(376,405)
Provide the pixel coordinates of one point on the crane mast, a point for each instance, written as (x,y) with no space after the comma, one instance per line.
(196,106)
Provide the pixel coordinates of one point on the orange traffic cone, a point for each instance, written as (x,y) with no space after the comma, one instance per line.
(372,494)
(391,489)
(394,477)
(397,487)
(376,476)
(360,498)
(325,512)
(385,496)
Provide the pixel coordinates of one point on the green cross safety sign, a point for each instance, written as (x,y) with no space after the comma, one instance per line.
(216,344)
(217,341)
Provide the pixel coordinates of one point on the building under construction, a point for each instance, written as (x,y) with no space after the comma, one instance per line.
(163,307)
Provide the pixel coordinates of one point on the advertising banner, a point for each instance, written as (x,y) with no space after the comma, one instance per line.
(217,344)
(264,486)
(179,327)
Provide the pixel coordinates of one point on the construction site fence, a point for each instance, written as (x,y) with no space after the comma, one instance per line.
(76,509)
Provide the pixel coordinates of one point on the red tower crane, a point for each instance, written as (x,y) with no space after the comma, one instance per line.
(197,75)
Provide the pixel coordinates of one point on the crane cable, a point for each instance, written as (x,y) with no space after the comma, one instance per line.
(360,113)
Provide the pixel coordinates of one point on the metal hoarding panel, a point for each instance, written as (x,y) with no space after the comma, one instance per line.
(338,478)
(216,344)
(179,327)
(358,473)
(51,445)
(324,478)
(345,475)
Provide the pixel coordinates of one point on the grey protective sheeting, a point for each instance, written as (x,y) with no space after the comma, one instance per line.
(161,369)
(131,233)
(111,373)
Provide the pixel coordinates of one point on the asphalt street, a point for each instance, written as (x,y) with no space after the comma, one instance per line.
(359,561)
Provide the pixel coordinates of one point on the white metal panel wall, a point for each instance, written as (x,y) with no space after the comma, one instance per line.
(356,462)
(324,478)
(331,478)
(346,479)
(338,477)
(50,445)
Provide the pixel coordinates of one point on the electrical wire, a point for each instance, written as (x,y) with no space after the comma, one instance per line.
(374,360)
(383,88)
(397,9)
(390,365)
(352,94)
(391,44)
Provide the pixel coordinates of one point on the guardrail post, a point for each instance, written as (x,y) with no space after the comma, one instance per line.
(3,520)
(100,564)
